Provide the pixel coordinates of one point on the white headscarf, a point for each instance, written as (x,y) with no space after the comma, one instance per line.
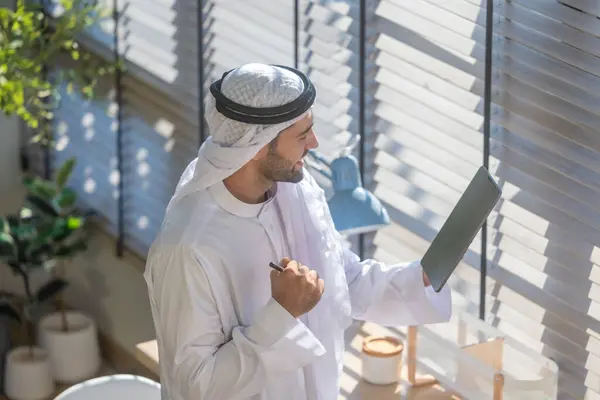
(232,144)
(313,239)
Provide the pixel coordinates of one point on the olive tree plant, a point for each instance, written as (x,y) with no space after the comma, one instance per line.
(31,40)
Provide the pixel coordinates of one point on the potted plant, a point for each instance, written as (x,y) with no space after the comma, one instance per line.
(24,247)
(70,337)
(47,229)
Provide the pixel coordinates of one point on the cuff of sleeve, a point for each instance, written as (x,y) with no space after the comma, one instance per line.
(271,324)
(409,282)
(287,343)
(432,307)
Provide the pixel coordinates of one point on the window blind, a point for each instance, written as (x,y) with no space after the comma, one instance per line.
(423,124)
(544,153)
(545,143)
(161,131)
(427,140)
(328,52)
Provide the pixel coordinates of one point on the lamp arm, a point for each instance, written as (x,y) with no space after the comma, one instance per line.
(350,146)
(318,157)
(321,170)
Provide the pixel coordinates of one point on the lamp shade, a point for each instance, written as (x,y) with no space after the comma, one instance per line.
(357,211)
(353,209)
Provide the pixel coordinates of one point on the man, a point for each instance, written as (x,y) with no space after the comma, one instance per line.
(229,326)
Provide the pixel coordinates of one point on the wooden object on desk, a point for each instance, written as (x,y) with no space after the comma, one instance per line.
(147,354)
(490,353)
(411,362)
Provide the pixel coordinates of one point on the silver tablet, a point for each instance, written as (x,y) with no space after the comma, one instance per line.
(464,222)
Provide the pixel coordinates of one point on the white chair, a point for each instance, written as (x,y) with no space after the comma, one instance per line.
(113,387)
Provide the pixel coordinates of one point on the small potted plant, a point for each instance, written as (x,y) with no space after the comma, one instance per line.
(24,248)
(69,336)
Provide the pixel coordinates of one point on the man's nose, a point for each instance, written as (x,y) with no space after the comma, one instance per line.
(312,142)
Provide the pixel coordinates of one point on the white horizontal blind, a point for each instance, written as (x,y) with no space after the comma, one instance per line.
(544,152)
(427,132)
(161,105)
(329,51)
(238,32)
(160,138)
(329,54)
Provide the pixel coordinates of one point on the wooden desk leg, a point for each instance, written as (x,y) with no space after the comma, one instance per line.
(498,386)
(411,361)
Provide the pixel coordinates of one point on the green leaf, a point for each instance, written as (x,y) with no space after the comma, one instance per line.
(50,290)
(65,172)
(37,256)
(42,205)
(8,249)
(40,188)
(24,234)
(10,311)
(42,94)
(60,230)
(4,226)
(74,223)
(36,139)
(67,198)
(25,213)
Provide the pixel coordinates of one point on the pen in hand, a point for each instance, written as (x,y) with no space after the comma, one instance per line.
(275,267)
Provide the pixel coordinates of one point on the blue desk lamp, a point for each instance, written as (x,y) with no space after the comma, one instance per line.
(354,209)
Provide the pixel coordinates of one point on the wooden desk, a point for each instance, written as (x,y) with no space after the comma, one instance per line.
(147,354)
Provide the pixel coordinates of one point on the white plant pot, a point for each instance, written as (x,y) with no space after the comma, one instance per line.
(75,354)
(28,378)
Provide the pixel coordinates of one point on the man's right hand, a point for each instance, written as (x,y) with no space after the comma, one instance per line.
(297,288)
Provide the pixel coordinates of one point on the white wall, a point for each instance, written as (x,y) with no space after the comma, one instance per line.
(9,148)
(9,155)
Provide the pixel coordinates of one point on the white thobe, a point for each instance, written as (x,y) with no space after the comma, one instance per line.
(220,334)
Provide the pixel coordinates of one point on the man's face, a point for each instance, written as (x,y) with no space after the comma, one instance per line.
(283,161)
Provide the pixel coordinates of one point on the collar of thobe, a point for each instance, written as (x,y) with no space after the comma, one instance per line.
(233,205)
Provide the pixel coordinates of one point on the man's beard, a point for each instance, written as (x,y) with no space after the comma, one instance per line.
(278,169)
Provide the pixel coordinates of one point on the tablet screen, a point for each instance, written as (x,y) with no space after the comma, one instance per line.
(464,222)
